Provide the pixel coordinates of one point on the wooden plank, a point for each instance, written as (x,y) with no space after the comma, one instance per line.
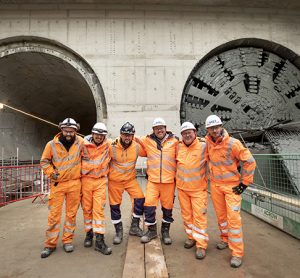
(155,264)
(134,262)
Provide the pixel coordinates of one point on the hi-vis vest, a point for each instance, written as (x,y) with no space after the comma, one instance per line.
(95,159)
(224,159)
(161,162)
(192,166)
(123,161)
(56,158)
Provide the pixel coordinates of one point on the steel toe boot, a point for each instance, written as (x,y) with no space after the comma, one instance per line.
(222,245)
(119,233)
(236,262)
(101,246)
(165,228)
(200,253)
(47,251)
(135,229)
(68,247)
(88,241)
(150,234)
(189,243)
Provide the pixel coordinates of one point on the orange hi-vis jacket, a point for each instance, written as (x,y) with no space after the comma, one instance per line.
(95,159)
(123,161)
(192,160)
(56,158)
(225,157)
(161,157)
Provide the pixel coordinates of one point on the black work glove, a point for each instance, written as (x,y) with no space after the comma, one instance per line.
(239,189)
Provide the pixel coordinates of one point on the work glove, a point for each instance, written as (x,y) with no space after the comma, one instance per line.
(239,189)
(54,176)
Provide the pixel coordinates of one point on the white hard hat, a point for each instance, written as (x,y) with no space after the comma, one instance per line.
(158,122)
(212,120)
(69,122)
(186,126)
(99,128)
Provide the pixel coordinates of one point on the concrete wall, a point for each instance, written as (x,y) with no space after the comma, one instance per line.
(143,55)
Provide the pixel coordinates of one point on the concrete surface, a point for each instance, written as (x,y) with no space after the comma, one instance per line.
(269,252)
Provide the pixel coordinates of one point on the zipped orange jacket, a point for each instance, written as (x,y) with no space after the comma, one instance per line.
(226,156)
(56,158)
(191,172)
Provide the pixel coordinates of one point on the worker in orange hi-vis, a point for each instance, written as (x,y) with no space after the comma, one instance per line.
(124,152)
(191,182)
(94,169)
(61,161)
(231,168)
(160,147)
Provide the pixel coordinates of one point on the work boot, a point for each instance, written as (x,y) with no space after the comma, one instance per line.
(68,247)
(47,251)
(150,234)
(119,233)
(222,245)
(189,243)
(236,262)
(135,229)
(200,253)
(101,246)
(88,241)
(165,228)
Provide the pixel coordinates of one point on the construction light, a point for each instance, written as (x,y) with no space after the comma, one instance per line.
(1,105)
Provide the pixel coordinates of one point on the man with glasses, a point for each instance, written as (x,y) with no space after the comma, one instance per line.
(94,169)
(124,152)
(61,163)
(231,167)
(160,147)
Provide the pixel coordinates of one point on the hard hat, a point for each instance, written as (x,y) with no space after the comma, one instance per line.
(158,122)
(186,126)
(99,128)
(212,120)
(69,122)
(127,128)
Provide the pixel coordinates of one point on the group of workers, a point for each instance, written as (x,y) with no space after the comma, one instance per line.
(81,169)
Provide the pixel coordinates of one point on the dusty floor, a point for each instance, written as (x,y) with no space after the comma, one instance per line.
(269,252)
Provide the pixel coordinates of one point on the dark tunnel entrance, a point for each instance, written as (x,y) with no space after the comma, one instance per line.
(48,81)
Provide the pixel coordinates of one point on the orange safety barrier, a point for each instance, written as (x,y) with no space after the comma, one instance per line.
(22,182)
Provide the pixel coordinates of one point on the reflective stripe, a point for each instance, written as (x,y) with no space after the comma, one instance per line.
(87,220)
(52,235)
(68,231)
(70,157)
(228,161)
(121,170)
(171,159)
(149,224)
(225,176)
(225,231)
(153,157)
(116,221)
(88,227)
(70,224)
(235,231)
(250,160)
(69,166)
(54,226)
(235,208)
(196,235)
(233,239)
(136,216)
(188,231)
(96,162)
(93,171)
(190,179)
(99,230)
(199,230)
(189,171)
(223,224)
(98,222)
(251,172)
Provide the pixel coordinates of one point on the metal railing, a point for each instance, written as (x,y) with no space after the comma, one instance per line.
(274,195)
(22,182)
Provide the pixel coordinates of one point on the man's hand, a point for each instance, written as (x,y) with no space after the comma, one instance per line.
(239,189)
(54,176)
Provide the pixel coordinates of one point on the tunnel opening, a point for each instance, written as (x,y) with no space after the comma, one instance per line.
(48,80)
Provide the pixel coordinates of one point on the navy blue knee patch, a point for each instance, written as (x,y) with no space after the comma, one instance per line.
(138,207)
(167,215)
(150,213)
(115,212)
